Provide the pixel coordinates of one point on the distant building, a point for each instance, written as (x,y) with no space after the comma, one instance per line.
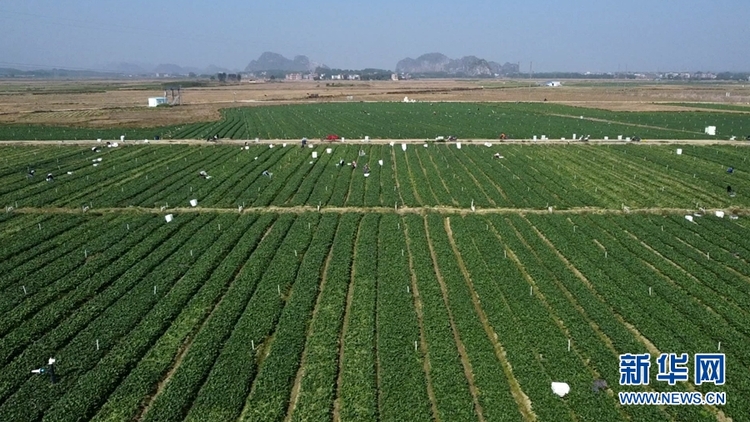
(157,101)
(394,76)
(353,77)
(553,83)
(293,77)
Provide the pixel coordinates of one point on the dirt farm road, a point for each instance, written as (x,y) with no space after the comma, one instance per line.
(295,142)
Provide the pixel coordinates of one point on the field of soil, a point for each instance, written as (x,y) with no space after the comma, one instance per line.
(123,103)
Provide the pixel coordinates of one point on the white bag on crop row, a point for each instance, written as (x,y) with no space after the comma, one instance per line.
(560,388)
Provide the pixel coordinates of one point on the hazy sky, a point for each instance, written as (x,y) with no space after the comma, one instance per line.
(580,35)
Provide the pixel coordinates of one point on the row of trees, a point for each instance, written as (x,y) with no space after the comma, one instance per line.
(231,77)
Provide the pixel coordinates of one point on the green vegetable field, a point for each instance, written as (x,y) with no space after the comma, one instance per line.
(440,176)
(423,121)
(447,285)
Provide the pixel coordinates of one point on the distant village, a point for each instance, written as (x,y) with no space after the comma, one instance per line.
(312,76)
(326,74)
(387,75)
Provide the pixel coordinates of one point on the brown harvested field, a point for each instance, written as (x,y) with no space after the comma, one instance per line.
(123,103)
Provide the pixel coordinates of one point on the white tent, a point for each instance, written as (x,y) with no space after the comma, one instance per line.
(156,101)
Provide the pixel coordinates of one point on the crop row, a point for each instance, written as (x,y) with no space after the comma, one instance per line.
(624,283)
(316,316)
(416,121)
(440,175)
(105,317)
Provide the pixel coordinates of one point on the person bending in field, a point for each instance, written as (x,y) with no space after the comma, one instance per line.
(267,174)
(354,165)
(366,169)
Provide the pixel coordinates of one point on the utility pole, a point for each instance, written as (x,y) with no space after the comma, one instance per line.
(531,74)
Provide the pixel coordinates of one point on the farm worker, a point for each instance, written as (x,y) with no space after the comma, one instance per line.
(50,177)
(52,376)
(730,170)
(304,142)
(366,168)
(267,174)
(31,173)
(341,162)
(354,164)
(497,155)
(599,384)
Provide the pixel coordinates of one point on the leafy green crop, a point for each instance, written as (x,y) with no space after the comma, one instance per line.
(426,120)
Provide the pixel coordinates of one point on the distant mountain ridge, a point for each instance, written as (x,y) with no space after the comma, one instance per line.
(438,63)
(269,61)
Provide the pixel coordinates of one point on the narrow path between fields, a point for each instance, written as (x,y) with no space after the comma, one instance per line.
(423,346)
(344,327)
(593,119)
(522,400)
(395,176)
(356,209)
(241,142)
(294,395)
(188,342)
(164,381)
(465,362)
